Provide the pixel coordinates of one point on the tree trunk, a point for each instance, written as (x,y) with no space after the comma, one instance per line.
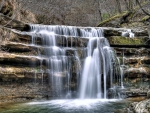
(130,5)
(126,3)
(118,6)
(142,8)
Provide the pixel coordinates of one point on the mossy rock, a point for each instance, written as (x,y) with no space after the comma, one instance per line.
(146,18)
(123,18)
(114,21)
(119,40)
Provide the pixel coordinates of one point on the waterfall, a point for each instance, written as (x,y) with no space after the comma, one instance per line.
(93,64)
(97,65)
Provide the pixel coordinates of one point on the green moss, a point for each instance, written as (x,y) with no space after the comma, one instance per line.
(119,40)
(129,14)
(121,60)
(114,17)
(105,16)
(145,18)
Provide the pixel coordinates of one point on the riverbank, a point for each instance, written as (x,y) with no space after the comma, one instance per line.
(14,93)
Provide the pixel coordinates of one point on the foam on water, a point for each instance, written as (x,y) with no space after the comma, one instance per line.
(75,103)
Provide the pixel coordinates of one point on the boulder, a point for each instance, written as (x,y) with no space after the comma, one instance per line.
(140,107)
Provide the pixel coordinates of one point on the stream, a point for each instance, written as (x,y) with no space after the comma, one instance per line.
(68,106)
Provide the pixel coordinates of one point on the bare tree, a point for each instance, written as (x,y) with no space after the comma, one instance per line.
(142,8)
(99,10)
(118,6)
(129,4)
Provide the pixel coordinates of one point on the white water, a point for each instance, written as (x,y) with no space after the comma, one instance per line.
(98,64)
(68,106)
(128,33)
(122,69)
(75,103)
(95,75)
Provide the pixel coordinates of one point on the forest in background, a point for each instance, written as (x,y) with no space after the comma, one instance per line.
(69,12)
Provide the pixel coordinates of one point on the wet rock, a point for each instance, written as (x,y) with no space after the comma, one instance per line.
(136,61)
(135,92)
(140,107)
(133,52)
(61,40)
(140,32)
(146,61)
(137,72)
(131,61)
(112,32)
(148,94)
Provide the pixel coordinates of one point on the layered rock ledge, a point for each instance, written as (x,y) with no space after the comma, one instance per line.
(19,67)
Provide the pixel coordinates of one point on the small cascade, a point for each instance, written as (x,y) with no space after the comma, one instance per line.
(97,65)
(90,59)
(128,33)
(116,90)
(122,69)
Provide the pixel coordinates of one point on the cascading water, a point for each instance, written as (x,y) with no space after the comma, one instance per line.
(95,73)
(97,65)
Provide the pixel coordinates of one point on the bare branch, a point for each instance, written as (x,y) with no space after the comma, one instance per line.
(142,8)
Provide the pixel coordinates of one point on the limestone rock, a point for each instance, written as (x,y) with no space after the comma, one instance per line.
(7,8)
(148,30)
(14,24)
(132,52)
(119,40)
(13,59)
(148,94)
(140,107)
